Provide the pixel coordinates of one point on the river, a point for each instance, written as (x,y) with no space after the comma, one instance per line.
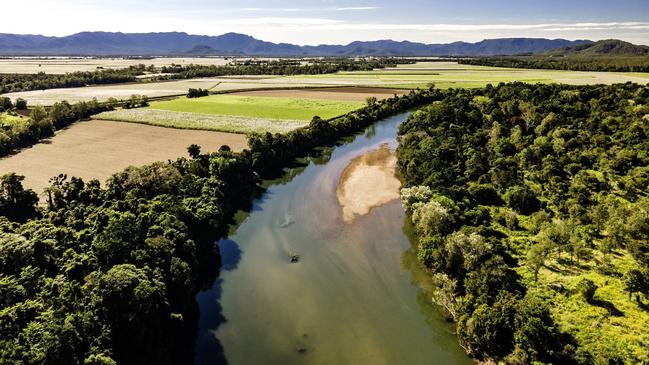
(355,296)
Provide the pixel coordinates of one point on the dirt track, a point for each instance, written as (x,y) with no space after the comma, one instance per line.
(97,149)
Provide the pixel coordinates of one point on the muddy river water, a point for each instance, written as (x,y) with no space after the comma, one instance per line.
(355,294)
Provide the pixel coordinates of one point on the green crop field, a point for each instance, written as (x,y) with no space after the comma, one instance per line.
(260,107)
(234,113)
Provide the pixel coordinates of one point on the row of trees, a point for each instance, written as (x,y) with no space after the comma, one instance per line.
(108,275)
(197,93)
(565,167)
(286,67)
(42,123)
(610,63)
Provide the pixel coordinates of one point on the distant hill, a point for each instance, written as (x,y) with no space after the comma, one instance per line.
(178,43)
(608,47)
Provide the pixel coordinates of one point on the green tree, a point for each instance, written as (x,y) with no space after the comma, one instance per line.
(16,203)
(587,288)
(522,199)
(194,150)
(536,257)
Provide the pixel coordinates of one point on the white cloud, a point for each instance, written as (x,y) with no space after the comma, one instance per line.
(288,22)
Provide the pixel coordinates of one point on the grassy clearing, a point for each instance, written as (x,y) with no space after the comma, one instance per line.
(598,327)
(260,107)
(201,121)
(613,324)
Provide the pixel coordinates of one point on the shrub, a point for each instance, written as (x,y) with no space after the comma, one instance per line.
(522,199)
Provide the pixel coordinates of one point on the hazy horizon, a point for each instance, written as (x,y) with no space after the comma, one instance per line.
(341,22)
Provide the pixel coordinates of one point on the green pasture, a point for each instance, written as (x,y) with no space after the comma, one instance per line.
(260,107)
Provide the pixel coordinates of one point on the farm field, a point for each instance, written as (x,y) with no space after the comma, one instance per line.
(61,65)
(284,108)
(234,113)
(98,149)
(359,94)
(442,74)
(200,121)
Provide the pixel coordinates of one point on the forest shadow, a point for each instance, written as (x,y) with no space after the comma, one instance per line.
(208,349)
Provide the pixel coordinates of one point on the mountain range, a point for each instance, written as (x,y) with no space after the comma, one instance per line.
(178,43)
(603,48)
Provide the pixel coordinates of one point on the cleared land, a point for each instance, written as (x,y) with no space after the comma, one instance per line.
(442,74)
(61,65)
(98,149)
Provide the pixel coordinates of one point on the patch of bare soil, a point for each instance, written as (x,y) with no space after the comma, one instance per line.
(97,149)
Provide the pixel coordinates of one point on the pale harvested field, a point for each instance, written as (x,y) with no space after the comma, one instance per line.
(202,121)
(338,93)
(63,65)
(97,149)
(118,91)
(442,74)
(155,89)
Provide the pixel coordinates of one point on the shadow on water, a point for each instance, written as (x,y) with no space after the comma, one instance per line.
(209,350)
(421,279)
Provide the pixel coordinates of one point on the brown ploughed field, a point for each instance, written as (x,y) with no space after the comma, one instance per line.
(97,149)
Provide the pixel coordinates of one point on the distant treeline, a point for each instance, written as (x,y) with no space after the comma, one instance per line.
(515,184)
(109,275)
(280,67)
(613,64)
(41,81)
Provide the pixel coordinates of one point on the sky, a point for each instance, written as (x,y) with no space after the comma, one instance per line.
(337,21)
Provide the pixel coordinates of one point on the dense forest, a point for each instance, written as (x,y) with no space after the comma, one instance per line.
(108,275)
(41,81)
(611,63)
(531,208)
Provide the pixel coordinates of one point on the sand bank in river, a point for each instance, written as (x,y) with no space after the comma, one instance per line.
(368,182)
